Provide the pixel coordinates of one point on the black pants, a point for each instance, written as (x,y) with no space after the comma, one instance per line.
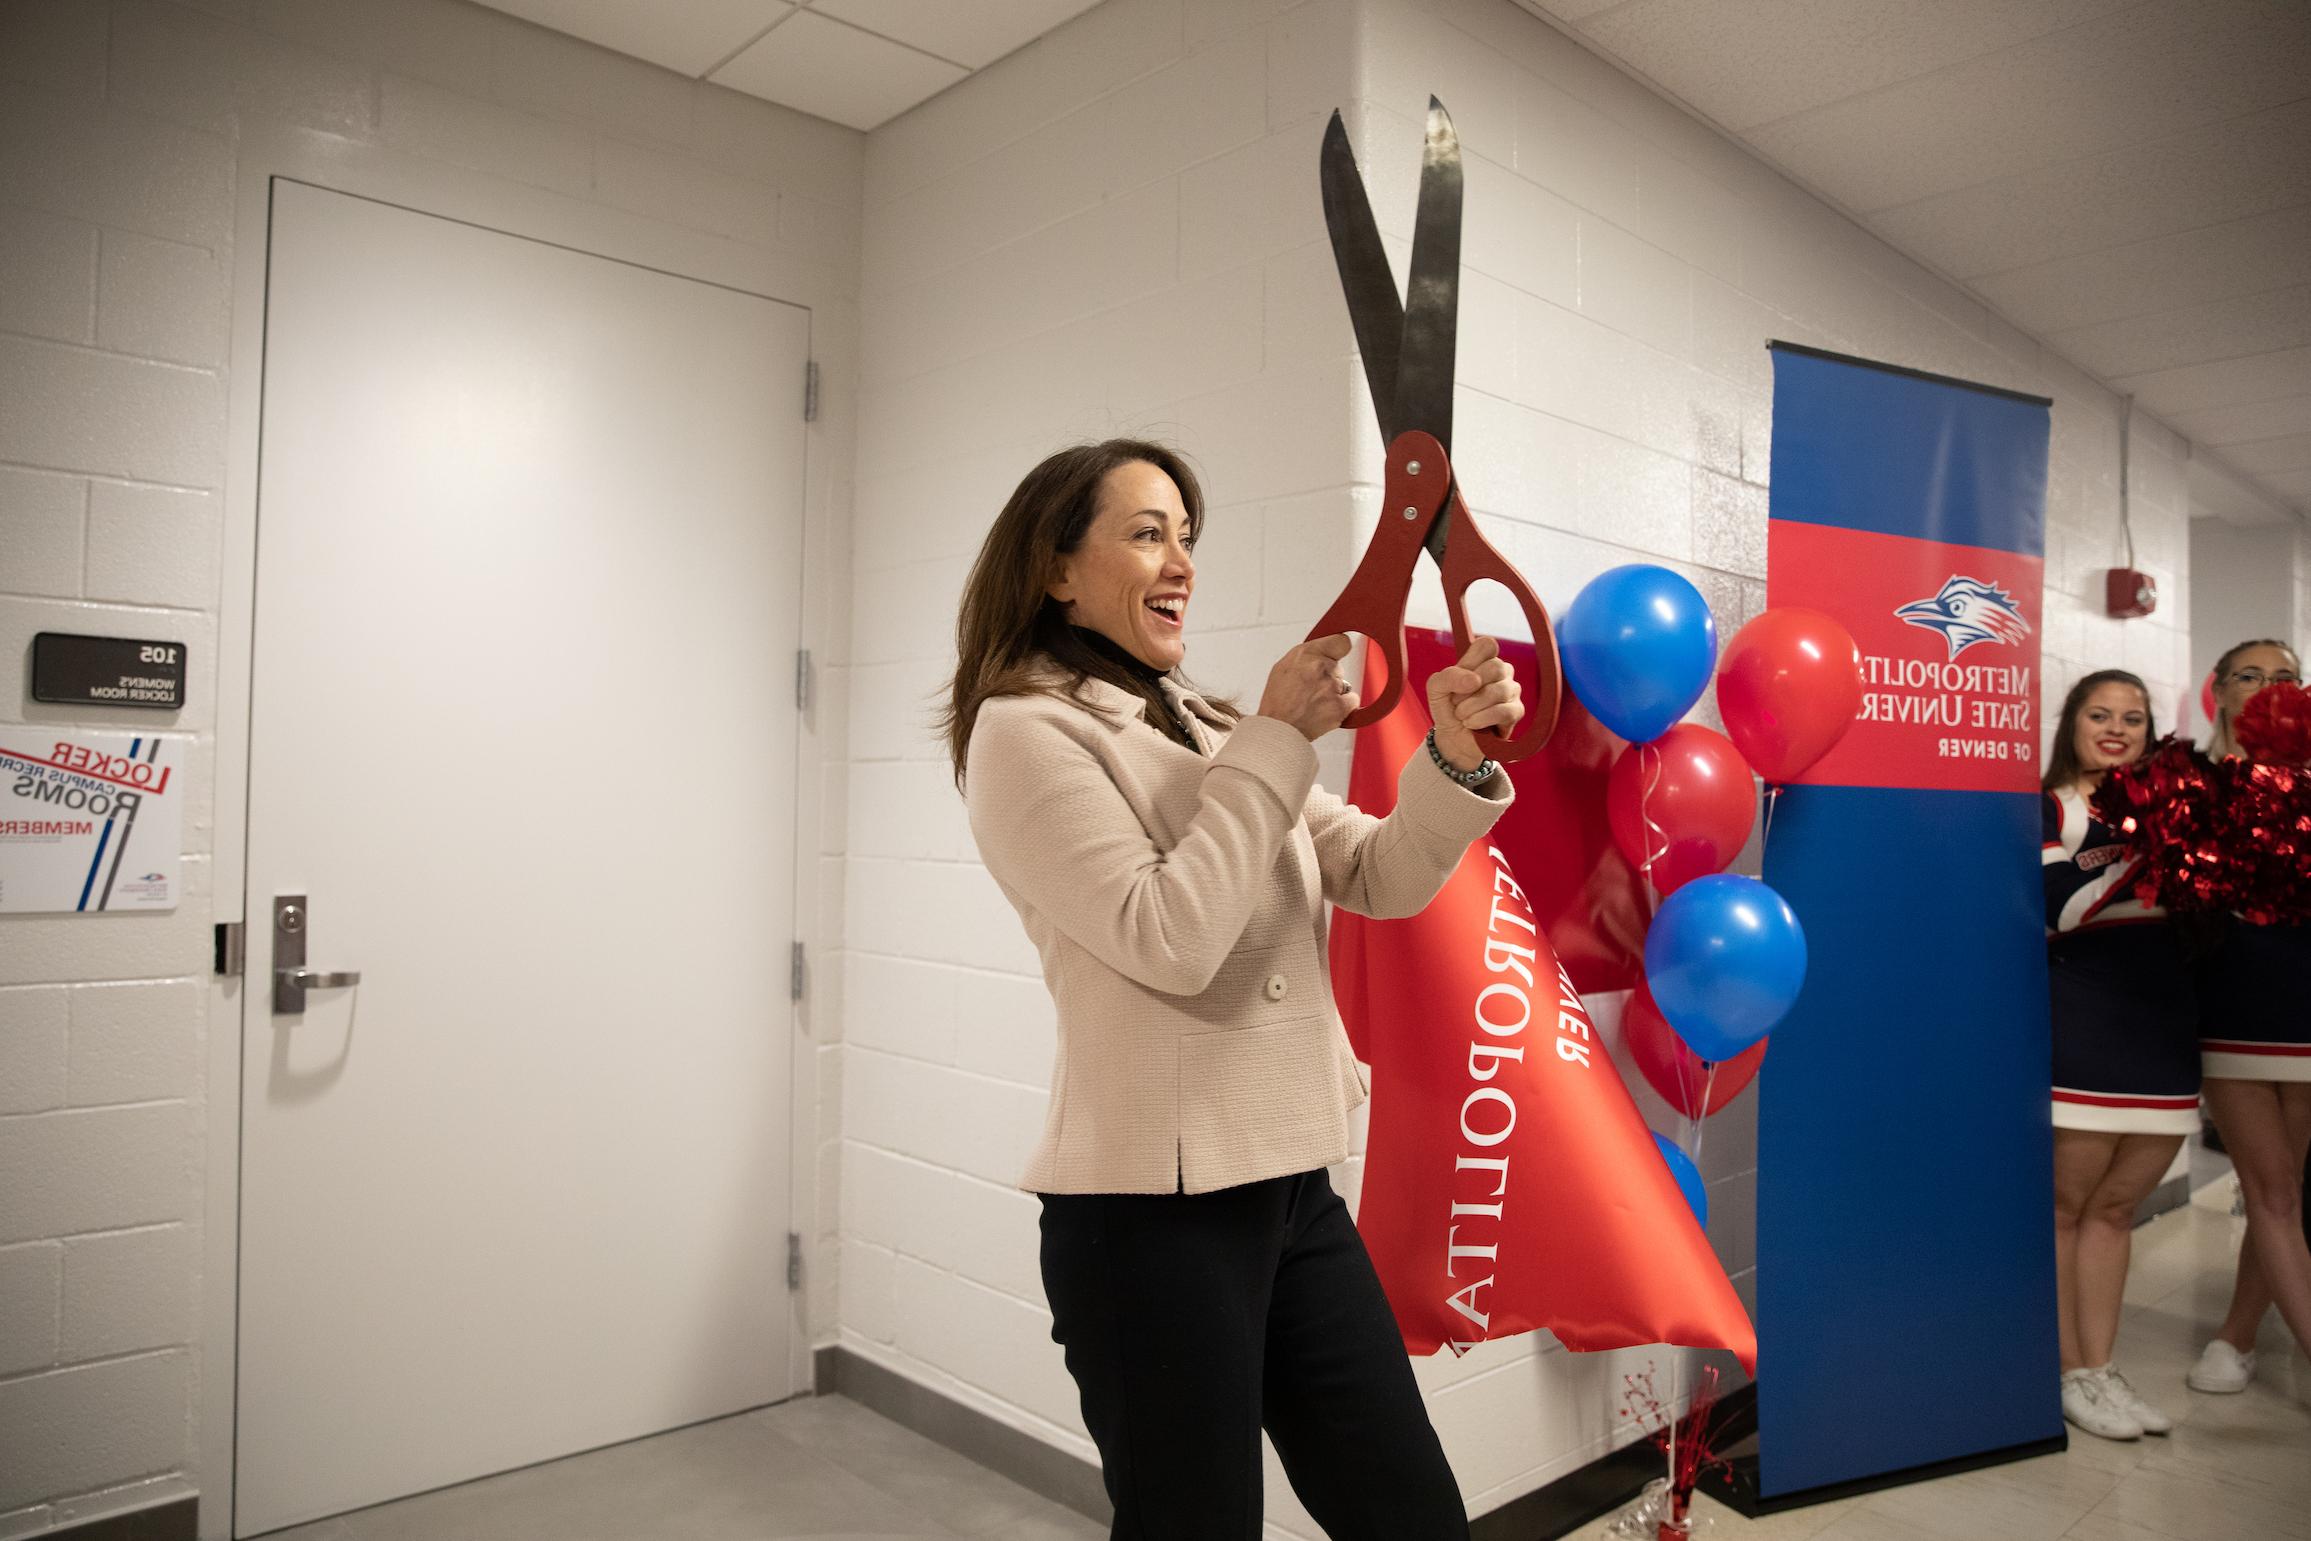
(1191,1322)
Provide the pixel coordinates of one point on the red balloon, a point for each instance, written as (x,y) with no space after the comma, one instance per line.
(1687,795)
(1674,1070)
(1788,685)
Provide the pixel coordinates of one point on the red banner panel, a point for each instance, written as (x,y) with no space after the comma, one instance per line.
(1949,641)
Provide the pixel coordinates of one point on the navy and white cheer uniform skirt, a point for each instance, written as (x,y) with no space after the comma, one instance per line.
(2255,1005)
(2126,1056)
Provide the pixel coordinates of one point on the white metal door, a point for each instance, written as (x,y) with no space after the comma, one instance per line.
(523,734)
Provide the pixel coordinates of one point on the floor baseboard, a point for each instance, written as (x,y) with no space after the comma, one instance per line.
(1566,1504)
(1040,1468)
(176,1520)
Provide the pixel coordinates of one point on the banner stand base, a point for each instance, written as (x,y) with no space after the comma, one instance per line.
(1739,1493)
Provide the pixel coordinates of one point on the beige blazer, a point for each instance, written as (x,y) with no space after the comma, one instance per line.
(1176,899)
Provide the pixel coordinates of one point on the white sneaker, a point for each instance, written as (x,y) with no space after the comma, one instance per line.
(2126,1399)
(2085,1403)
(2221,1369)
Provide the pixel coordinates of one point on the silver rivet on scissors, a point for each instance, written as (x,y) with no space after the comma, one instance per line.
(1412,513)
(1412,468)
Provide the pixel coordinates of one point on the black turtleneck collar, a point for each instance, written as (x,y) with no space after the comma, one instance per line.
(1107,648)
(1145,682)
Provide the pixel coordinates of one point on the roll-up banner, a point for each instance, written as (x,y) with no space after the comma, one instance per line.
(1905,1282)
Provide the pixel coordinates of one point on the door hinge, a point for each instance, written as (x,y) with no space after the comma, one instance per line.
(810,391)
(232,948)
(802,680)
(795,975)
(793,1260)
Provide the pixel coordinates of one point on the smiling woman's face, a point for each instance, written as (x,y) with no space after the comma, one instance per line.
(1129,577)
(2113,724)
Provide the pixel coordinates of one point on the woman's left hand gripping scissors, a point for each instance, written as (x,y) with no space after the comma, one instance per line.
(1408,358)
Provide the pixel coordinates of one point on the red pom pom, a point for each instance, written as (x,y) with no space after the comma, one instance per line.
(2275,725)
(2234,835)
(2270,828)
(2165,803)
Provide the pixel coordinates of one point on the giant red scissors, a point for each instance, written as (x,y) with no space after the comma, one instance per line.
(1408,361)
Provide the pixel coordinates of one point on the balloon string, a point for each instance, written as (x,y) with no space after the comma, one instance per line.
(1708,1090)
(1765,838)
(1656,837)
(1676,1374)
(1657,840)
(1677,1357)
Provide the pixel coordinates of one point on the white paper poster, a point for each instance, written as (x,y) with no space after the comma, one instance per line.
(89,821)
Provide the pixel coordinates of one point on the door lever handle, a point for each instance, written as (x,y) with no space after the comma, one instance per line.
(291,979)
(318,979)
(290,985)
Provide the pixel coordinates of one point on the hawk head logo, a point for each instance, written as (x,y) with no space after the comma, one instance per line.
(1968,611)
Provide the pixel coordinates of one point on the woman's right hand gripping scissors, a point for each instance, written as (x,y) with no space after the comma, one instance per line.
(1408,362)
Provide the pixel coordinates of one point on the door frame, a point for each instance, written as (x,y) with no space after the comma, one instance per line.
(437,188)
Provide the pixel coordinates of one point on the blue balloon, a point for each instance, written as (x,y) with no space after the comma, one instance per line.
(1638,646)
(1726,959)
(1688,1177)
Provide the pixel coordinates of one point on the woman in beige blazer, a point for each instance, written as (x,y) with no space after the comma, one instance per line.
(1171,858)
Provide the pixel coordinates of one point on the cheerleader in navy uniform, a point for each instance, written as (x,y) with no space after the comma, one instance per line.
(2255,1031)
(2126,1054)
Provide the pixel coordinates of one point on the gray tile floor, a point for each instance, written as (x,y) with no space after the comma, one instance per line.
(2237,1468)
(822,1467)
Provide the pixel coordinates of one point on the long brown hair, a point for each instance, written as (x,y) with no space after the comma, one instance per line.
(1009,631)
(2062,760)
(2221,743)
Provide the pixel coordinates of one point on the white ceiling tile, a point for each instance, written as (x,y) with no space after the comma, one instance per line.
(2294,486)
(2145,73)
(2247,256)
(2266,457)
(2223,171)
(974,35)
(2272,419)
(830,70)
(2256,378)
(691,37)
(1746,62)
(2218,490)
(2232,328)
(1567,10)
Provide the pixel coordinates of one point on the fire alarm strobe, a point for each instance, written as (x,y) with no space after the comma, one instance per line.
(2128,594)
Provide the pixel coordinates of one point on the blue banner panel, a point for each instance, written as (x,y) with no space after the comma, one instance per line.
(1907,454)
(1905,1241)
(1905,1196)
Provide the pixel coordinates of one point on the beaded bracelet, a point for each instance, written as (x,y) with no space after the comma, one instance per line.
(1471,779)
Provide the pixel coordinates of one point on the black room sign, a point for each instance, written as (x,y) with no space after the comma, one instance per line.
(108,671)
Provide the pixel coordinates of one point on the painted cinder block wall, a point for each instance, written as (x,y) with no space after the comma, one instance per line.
(2245,583)
(1069,245)
(1115,229)
(1118,231)
(125,138)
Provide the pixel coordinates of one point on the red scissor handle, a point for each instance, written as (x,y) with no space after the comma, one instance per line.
(1470,559)
(1372,603)
(1418,488)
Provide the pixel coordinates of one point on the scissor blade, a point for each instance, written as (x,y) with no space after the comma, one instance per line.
(1432,299)
(1439,534)
(1373,308)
